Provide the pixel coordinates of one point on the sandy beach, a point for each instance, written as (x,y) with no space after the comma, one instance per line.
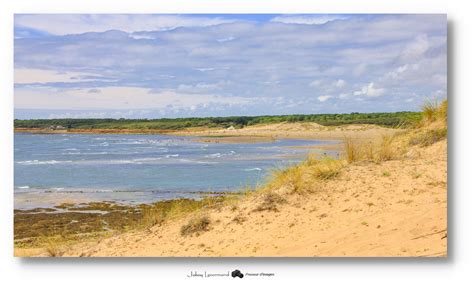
(390,209)
(250,134)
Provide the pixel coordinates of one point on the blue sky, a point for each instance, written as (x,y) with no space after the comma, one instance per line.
(151,66)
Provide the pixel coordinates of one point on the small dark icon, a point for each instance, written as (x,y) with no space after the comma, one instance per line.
(237,273)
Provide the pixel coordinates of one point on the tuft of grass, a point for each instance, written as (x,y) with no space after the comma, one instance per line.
(386,150)
(304,176)
(239,219)
(352,152)
(270,202)
(196,225)
(386,174)
(434,111)
(53,249)
(416,175)
(291,177)
(369,150)
(152,216)
(383,150)
(324,169)
(429,110)
(158,213)
(429,137)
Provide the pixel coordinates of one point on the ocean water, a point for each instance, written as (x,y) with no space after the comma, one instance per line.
(51,169)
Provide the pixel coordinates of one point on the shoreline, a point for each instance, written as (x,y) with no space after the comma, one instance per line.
(86,221)
(250,134)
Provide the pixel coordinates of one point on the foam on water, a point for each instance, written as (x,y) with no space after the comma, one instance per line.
(252,169)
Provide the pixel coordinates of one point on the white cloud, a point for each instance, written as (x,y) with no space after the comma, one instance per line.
(205,69)
(344,95)
(324,98)
(263,60)
(415,49)
(316,83)
(63,24)
(202,86)
(231,38)
(370,91)
(307,19)
(115,98)
(340,83)
(29,76)
(400,72)
(360,69)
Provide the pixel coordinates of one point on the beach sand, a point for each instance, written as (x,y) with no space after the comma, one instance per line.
(286,130)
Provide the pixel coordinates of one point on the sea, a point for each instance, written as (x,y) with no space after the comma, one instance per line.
(50,169)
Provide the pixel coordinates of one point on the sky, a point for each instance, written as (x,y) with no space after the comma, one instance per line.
(189,65)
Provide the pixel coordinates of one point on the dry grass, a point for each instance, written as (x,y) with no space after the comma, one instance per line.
(160,212)
(434,126)
(351,151)
(152,216)
(387,151)
(323,169)
(384,149)
(434,111)
(270,202)
(305,176)
(196,225)
(429,137)
(53,247)
(239,219)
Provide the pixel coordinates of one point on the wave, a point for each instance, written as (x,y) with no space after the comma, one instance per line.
(87,153)
(252,169)
(172,155)
(37,162)
(216,155)
(197,162)
(219,155)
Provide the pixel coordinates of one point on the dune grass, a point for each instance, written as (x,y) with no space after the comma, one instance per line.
(351,151)
(270,202)
(433,126)
(304,176)
(53,245)
(434,111)
(196,225)
(159,212)
(429,137)
(383,149)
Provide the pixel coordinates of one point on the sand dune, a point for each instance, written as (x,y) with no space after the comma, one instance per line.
(391,208)
(298,130)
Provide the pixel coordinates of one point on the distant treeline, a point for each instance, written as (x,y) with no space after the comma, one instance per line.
(392,119)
